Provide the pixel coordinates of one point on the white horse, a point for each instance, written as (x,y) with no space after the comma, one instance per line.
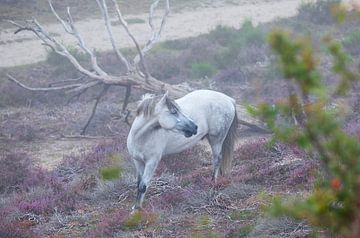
(164,126)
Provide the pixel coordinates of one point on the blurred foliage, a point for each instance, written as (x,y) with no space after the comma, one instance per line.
(352,42)
(114,171)
(334,203)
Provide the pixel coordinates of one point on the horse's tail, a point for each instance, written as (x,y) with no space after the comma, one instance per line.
(227,149)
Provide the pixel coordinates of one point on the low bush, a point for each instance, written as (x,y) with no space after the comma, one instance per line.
(202,70)
(235,41)
(16,229)
(318,12)
(62,63)
(14,170)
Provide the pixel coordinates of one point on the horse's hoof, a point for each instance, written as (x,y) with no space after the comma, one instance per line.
(136,209)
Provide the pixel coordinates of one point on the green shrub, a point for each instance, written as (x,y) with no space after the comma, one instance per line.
(352,42)
(318,12)
(235,41)
(334,203)
(202,70)
(223,35)
(129,21)
(62,62)
(232,38)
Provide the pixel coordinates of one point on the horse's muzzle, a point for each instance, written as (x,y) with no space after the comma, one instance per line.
(190,130)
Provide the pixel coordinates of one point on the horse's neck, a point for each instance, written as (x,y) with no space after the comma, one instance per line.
(142,127)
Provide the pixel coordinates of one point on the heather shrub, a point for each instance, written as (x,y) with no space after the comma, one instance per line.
(109,224)
(102,155)
(184,162)
(16,229)
(203,228)
(14,170)
(319,12)
(121,220)
(46,200)
(252,149)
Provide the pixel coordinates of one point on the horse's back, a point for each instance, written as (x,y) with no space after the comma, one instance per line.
(209,109)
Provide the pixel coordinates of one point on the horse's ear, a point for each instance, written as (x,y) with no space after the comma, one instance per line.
(164,98)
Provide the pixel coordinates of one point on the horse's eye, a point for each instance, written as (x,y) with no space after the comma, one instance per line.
(173,111)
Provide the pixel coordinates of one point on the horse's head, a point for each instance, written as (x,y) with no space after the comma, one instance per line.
(171,117)
(168,115)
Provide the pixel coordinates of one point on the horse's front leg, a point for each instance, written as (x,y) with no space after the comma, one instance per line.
(140,167)
(144,181)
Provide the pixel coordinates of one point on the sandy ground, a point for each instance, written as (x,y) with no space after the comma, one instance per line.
(24,48)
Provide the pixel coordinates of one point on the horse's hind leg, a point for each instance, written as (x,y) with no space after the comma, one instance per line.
(216,145)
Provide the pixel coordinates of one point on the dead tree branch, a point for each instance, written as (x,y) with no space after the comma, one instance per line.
(97,100)
(136,74)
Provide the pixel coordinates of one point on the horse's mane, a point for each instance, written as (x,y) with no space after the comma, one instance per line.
(146,105)
(148,102)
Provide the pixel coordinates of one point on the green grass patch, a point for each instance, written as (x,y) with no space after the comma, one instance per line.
(129,21)
(243,231)
(114,171)
(202,70)
(243,215)
(139,220)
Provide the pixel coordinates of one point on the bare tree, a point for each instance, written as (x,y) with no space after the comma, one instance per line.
(136,74)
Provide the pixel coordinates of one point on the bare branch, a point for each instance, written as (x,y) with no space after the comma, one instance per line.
(104,9)
(84,86)
(97,100)
(46,89)
(138,48)
(126,98)
(71,29)
(155,34)
(67,81)
(65,24)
